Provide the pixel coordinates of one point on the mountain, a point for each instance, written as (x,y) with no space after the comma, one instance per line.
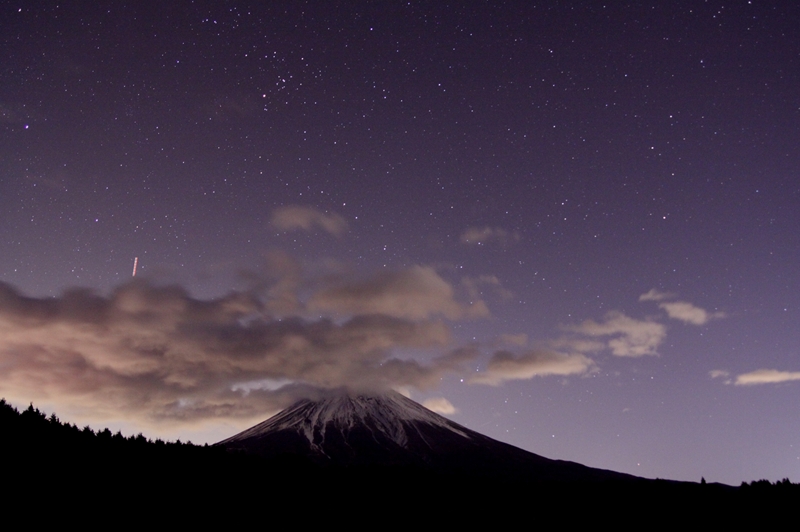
(363,430)
(388,458)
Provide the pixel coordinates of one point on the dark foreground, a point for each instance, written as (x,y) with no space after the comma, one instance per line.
(56,472)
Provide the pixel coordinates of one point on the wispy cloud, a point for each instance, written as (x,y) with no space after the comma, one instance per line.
(581,345)
(439,405)
(414,293)
(766,376)
(630,337)
(486,235)
(759,376)
(505,366)
(685,312)
(294,217)
(149,352)
(680,310)
(655,295)
(518,340)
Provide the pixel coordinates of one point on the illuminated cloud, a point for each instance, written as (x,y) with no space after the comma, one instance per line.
(581,345)
(485,235)
(680,310)
(632,338)
(766,376)
(149,353)
(439,405)
(688,313)
(505,366)
(655,295)
(721,374)
(279,283)
(414,293)
(293,217)
(685,312)
(518,340)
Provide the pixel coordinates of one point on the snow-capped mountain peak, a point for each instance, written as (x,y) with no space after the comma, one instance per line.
(388,429)
(390,417)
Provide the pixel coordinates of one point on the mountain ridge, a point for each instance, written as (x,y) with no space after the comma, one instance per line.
(389,429)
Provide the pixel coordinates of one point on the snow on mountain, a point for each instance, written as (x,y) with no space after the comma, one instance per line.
(389,429)
(391,415)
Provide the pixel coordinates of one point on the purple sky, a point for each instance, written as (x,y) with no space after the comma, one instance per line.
(574,228)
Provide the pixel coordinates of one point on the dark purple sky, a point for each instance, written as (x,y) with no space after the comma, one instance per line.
(574,227)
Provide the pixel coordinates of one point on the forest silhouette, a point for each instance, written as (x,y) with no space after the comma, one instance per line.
(107,472)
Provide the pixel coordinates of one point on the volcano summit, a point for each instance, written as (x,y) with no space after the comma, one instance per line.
(388,429)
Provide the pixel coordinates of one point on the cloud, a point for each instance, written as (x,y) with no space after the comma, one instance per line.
(685,312)
(680,310)
(505,366)
(581,345)
(293,217)
(655,295)
(688,313)
(485,235)
(414,293)
(632,338)
(279,283)
(440,405)
(519,340)
(151,353)
(721,374)
(766,376)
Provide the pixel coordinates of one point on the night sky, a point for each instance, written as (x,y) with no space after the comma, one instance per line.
(570,226)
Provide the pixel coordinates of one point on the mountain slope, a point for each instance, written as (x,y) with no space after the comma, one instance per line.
(391,430)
